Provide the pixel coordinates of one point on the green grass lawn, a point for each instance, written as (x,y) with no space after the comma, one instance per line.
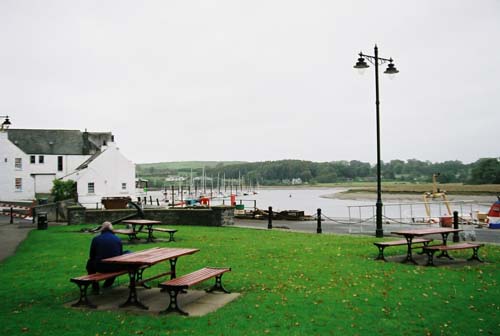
(291,284)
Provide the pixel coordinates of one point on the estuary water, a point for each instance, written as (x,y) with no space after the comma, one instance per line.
(310,199)
(307,200)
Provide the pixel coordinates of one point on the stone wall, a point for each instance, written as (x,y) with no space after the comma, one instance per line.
(214,216)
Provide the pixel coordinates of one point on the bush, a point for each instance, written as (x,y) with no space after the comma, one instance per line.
(63,190)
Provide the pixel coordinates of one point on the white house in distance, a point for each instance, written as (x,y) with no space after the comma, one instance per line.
(30,159)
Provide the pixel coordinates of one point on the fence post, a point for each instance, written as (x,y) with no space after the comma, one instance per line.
(456,239)
(319,230)
(270,218)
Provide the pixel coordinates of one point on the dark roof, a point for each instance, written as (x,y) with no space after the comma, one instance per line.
(58,142)
(89,160)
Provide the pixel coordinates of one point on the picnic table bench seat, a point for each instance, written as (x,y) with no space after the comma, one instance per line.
(176,285)
(431,250)
(383,244)
(84,281)
(171,232)
(129,232)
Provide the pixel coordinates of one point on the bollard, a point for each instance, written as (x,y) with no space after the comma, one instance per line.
(157,202)
(11,215)
(456,238)
(150,199)
(42,221)
(318,230)
(173,197)
(270,218)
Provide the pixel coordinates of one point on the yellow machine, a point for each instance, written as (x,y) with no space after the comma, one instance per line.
(436,193)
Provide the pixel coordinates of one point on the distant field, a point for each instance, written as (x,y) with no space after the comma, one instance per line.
(186,164)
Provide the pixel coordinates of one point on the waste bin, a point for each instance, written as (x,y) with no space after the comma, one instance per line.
(446,221)
(42,221)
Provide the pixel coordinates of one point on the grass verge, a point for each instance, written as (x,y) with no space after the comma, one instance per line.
(291,284)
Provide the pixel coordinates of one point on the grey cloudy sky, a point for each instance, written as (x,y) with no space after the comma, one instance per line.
(257,80)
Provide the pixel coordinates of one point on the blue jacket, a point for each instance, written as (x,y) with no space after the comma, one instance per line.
(105,245)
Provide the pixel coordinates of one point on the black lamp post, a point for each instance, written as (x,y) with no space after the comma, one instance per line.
(5,125)
(391,70)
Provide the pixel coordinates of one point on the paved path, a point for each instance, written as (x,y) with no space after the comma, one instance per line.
(12,234)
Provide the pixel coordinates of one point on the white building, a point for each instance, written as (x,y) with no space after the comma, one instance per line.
(30,159)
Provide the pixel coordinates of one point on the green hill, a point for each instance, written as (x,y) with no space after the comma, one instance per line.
(180,165)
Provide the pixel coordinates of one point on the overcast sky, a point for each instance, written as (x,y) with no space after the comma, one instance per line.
(257,80)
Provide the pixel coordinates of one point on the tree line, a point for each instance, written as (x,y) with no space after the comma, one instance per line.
(483,171)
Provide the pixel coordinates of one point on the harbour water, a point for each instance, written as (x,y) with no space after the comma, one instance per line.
(310,199)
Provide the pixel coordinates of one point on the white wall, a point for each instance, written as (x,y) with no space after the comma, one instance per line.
(43,182)
(36,177)
(108,171)
(8,172)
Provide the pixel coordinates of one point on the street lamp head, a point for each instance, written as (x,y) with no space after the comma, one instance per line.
(391,69)
(361,65)
(5,125)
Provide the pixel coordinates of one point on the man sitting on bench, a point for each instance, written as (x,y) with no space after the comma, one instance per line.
(105,245)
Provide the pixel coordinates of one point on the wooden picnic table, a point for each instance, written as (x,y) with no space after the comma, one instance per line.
(136,262)
(410,234)
(143,222)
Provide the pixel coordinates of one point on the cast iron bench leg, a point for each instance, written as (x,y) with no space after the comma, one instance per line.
(430,257)
(139,277)
(409,257)
(475,255)
(218,285)
(83,300)
(173,306)
(132,295)
(380,253)
(171,236)
(423,248)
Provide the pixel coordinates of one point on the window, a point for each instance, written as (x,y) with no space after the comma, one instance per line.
(19,184)
(90,188)
(32,159)
(59,163)
(124,186)
(18,163)
(41,159)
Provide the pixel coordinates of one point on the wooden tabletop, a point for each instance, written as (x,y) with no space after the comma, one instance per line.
(141,221)
(150,256)
(427,231)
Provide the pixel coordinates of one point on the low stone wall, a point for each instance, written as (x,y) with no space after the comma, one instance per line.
(55,211)
(214,216)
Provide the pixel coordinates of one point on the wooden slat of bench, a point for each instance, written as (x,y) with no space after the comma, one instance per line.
(97,276)
(171,232)
(430,250)
(174,286)
(382,245)
(84,281)
(403,242)
(461,246)
(195,277)
(164,230)
(125,231)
